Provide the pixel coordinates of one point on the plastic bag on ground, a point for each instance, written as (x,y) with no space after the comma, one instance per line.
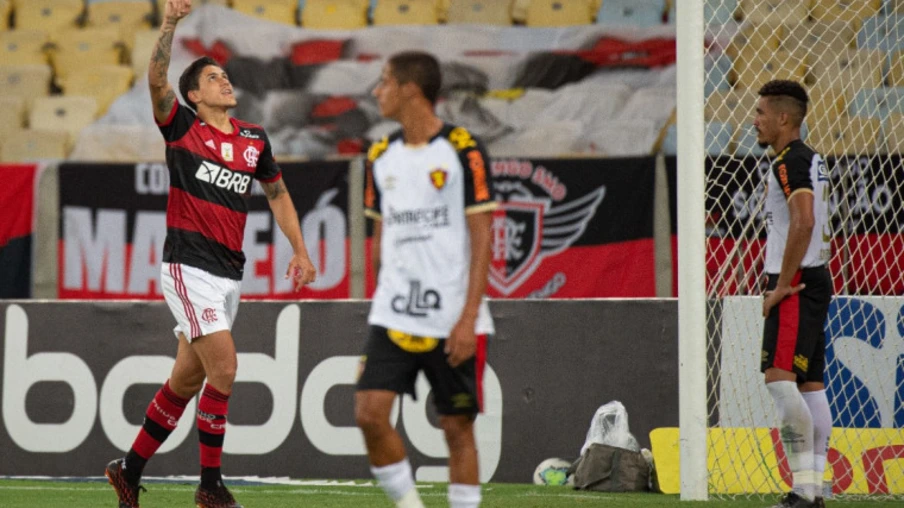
(609,426)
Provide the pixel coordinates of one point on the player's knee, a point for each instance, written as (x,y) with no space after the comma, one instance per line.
(459,431)
(369,419)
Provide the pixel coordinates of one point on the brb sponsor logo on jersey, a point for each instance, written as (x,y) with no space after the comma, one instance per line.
(223,178)
(520,240)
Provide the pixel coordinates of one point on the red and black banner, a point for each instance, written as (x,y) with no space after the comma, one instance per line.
(113,225)
(17,194)
(867,209)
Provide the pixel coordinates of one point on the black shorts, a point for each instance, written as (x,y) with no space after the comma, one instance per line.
(794,336)
(392,360)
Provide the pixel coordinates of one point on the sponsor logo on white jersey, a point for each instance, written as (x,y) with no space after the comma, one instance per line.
(223,178)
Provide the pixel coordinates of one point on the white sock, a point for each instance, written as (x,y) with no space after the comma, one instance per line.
(398,483)
(464,496)
(818,404)
(797,435)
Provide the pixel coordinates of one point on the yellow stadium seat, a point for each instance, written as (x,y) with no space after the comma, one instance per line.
(486,12)
(846,135)
(48,15)
(753,38)
(334,14)
(26,81)
(559,13)
(735,107)
(896,71)
(280,11)
(827,103)
(12,114)
(5,9)
(406,12)
(896,6)
(519,10)
(753,68)
(127,16)
(774,12)
(894,133)
(23,47)
(145,41)
(75,49)
(103,82)
(33,145)
(852,69)
(820,37)
(68,113)
(849,11)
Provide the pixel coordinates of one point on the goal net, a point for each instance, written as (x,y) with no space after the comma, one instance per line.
(850,56)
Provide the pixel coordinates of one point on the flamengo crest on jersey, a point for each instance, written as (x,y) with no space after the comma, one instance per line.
(797,169)
(422,194)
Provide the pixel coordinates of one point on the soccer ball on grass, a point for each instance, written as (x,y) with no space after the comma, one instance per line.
(552,471)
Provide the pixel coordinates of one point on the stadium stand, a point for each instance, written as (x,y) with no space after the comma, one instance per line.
(86,47)
(27,81)
(280,11)
(48,15)
(127,16)
(881,32)
(558,13)
(896,72)
(774,12)
(140,55)
(334,14)
(5,10)
(733,106)
(719,11)
(12,114)
(631,12)
(845,11)
(820,37)
(34,145)
(69,113)
(855,68)
(753,69)
(406,12)
(894,132)
(103,82)
(487,12)
(832,137)
(25,46)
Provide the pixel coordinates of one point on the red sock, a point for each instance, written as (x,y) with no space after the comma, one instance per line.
(160,420)
(212,409)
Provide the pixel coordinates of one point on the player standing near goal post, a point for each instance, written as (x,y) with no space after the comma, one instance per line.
(212,160)
(799,288)
(428,189)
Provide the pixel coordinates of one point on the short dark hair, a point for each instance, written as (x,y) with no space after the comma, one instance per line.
(790,93)
(191,77)
(419,68)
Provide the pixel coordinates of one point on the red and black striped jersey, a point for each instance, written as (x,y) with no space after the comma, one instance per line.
(210,181)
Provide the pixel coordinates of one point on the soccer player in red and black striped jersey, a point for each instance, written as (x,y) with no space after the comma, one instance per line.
(212,159)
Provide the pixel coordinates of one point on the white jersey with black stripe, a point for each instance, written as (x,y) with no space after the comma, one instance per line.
(798,168)
(422,195)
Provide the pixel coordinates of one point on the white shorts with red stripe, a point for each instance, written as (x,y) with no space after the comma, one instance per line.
(201,303)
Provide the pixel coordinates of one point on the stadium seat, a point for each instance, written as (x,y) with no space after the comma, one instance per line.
(75,49)
(894,133)
(127,16)
(5,9)
(334,14)
(26,81)
(773,12)
(853,12)
(280,11)
(631,12)
(877,102)
(486,12)
(882,32)
(734,106)
(717,12)
(12,114)
(69,113)
(847,135)
(406,12)
(752,39)
(820,37)
(103,82)
(33,145)
(558,13)
(48,15)
(896,69)
(827,103)
(753,68)
(23,47)
(140,56)
(852,69)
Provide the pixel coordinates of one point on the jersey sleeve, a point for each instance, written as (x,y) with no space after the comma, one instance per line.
(793,174)
(371,193)
(178,123)
(478,180)
(267,169)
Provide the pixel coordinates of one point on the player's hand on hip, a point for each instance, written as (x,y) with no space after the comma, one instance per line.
(773,297)
(461,343)
(301,270)
(175,10)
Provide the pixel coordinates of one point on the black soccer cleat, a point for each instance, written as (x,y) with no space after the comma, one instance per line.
(219,497)
(127,493)
(819,502)
(792,500)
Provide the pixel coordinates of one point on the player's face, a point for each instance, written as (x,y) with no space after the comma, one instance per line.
(766,122)
(388,93)
(214,88)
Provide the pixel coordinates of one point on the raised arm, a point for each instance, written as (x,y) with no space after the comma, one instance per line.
(162,94)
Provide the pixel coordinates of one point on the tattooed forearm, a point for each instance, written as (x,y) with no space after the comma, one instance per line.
(165,104)
(274,189)
(160,58)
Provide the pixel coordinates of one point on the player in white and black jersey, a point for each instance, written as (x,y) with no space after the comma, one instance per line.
(428,191)
(799,287)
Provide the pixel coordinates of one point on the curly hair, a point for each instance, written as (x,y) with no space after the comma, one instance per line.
(788,93)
